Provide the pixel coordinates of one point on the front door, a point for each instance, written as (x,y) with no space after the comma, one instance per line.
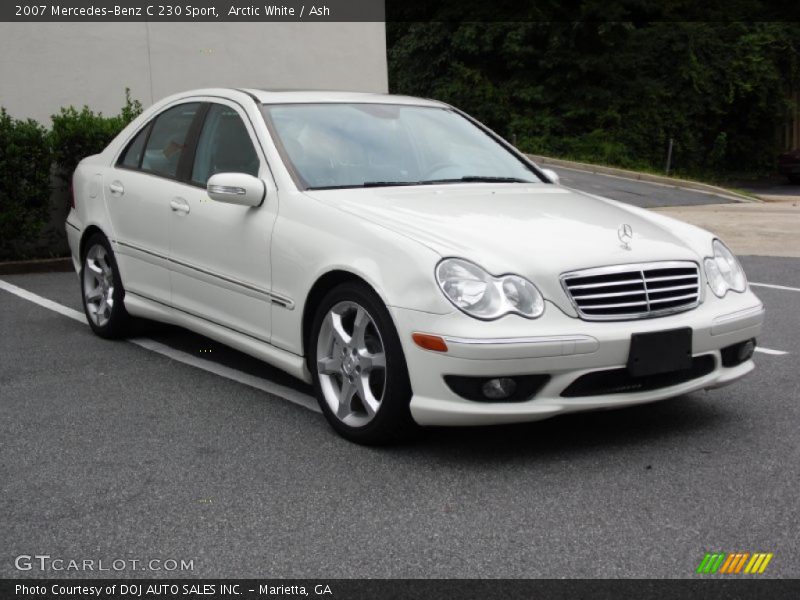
(220,253)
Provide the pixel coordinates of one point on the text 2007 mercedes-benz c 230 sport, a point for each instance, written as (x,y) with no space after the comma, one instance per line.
(402,257)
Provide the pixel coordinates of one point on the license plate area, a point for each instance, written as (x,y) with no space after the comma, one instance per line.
(660,352)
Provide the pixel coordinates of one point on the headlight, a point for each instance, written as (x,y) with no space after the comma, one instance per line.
(481,295)
(723,271)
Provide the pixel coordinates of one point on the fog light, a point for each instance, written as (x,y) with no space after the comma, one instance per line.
(499,388)
(746,350)
(738,353)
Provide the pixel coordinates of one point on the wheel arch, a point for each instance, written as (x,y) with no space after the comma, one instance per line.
(324,284)
(85,236)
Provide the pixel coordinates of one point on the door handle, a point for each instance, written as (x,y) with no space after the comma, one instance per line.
(179,205)
(116,188)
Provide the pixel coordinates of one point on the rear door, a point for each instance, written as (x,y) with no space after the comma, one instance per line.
(220,253)
(137,193)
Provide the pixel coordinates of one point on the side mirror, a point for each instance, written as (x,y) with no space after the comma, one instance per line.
(551,175)
(236,188)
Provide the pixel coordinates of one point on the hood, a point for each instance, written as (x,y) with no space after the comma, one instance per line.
(538,231)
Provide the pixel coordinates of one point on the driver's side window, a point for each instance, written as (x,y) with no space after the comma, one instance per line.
(224,146)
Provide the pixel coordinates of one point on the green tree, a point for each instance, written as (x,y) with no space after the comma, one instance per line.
(606,90)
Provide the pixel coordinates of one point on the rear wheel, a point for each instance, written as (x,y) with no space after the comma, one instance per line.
(102,290)
(358,367)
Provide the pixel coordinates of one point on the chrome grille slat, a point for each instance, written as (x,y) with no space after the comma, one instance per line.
(617,305)
(653,289)
(611,295)
(595,285)
(671,278)
(675,299)
(672,288)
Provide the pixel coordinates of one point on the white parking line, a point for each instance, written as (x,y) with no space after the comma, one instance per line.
(259,383)
(770,351)
(31,297)
(776,287)
(287,393)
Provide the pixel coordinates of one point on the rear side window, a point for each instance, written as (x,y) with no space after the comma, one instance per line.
(132,155)
(224,146)
(167,140)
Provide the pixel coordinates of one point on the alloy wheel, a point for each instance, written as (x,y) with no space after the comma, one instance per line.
(98,285)
(351,363)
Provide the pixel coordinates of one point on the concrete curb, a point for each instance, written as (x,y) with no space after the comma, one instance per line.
(646,177)
(47,265)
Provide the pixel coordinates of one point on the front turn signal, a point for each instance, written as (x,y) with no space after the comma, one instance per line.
(429,342)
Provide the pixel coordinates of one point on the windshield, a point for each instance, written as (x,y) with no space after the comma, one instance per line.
(363,145)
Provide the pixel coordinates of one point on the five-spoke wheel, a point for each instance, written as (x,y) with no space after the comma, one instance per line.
(102,289)
(358,366)
(351,363)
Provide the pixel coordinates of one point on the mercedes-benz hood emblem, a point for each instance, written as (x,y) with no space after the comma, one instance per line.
(625,235)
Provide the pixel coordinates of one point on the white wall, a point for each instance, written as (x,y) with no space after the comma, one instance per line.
(44,66)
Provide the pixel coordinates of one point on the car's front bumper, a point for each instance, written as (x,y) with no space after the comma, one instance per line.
(563,347)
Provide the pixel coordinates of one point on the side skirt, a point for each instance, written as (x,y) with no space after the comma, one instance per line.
(143,307)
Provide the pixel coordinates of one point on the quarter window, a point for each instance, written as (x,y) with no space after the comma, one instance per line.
(132,156)
(167,140)
(224,146)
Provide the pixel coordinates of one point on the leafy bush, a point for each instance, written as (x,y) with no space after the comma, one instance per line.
(78,134)
(29,156)
(25,159)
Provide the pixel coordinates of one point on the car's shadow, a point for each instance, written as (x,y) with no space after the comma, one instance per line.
(683,420)
(679,420)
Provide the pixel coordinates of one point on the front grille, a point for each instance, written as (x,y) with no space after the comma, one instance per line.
(633,291)
(620,381)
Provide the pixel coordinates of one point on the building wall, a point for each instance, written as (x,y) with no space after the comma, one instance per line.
(44,66)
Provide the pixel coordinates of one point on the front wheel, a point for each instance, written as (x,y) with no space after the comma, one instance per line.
(359,370)
(102,290)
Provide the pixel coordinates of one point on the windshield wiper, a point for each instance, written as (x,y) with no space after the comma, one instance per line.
(465,179)
(478,179)
(350,186)
(389,183)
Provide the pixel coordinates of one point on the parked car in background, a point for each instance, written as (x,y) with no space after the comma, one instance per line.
(789,165)
(403,258)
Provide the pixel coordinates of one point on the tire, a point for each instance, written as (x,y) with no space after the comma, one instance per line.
(359,370)
(101,290)
(794,178)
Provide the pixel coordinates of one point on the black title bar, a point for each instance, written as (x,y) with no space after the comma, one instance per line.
(416,589)
(401,10)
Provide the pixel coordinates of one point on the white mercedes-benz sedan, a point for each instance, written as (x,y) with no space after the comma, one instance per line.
(403,258)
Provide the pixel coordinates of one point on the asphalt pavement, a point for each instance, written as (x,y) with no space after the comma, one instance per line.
(110,451)
(638,193)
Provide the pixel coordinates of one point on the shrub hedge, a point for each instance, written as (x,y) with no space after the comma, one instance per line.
(25,166)
(78,134)
(30,155)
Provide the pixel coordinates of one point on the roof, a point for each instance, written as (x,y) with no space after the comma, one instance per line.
(320,96)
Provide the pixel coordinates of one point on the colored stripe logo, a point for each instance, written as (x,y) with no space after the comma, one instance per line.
(734,563)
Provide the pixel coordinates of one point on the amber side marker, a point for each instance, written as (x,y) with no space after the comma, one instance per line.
(429,342)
